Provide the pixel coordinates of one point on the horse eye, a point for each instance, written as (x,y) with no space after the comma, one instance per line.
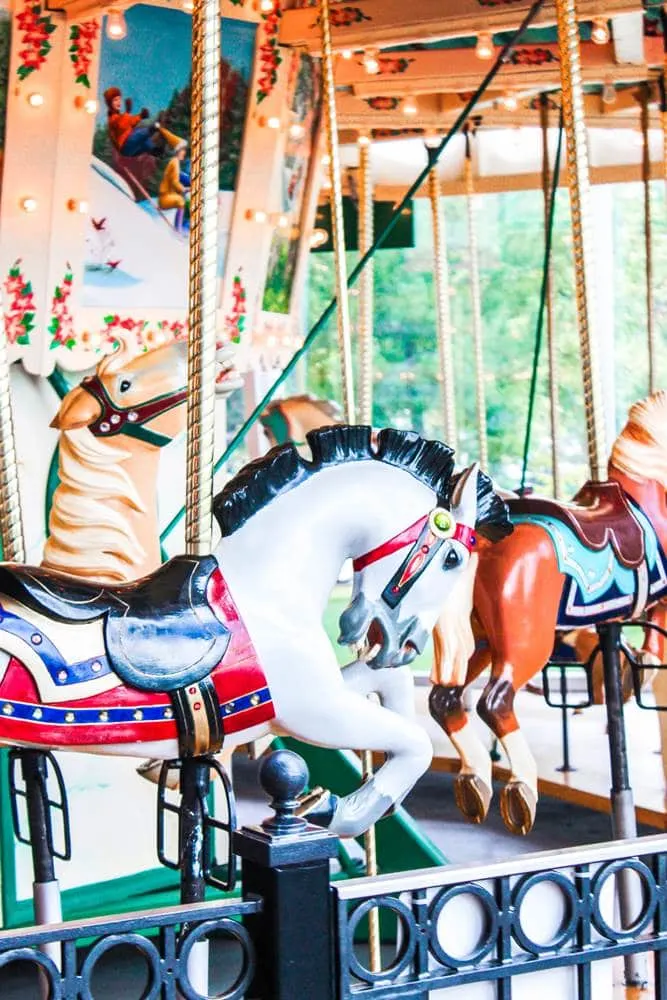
(452,560)
(125,385)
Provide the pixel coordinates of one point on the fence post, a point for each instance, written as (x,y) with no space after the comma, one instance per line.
(286,862)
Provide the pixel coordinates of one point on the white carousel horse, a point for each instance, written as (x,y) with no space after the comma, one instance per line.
(232,645)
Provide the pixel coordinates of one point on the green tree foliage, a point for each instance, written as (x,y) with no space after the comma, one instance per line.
(407,391)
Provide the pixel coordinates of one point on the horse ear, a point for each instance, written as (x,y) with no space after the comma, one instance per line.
(78,409)
(464,497)
(124,353)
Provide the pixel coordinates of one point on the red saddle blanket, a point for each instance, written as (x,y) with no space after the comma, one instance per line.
(125,715)
(600,514)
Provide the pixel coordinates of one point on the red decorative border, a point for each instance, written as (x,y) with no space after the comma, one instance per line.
(534,56)
(269,53)
(35,29)
(82,48)
(344,17)
(20,306)
(383,103)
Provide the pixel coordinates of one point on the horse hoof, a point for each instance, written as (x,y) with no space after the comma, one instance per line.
(150,770)
(317,806)
(473,797)
(518,804)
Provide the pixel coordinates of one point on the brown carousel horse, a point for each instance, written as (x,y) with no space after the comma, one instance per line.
(566,565)
(289,420)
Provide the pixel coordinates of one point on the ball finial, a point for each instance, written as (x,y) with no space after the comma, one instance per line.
(283,775)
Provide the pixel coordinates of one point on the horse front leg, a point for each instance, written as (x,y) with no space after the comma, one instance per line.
(473,789)
(393,686)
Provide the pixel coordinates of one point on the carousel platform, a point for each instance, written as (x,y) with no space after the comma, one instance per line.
(588,784)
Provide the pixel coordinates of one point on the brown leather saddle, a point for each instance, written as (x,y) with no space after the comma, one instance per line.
(600,514)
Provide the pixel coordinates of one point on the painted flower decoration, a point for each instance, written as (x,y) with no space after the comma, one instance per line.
(269,53)
(82,39)
(35,29)
(537,56)
(235,319)
(61,326)
(19,306)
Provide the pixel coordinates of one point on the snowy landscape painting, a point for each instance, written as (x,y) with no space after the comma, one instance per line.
(137,240)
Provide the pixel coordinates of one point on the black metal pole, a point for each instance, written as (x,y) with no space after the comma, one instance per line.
(565,723)
(623,819)
(195,785)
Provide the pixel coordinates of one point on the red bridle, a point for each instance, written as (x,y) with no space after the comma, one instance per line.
(115,419)
(462,533)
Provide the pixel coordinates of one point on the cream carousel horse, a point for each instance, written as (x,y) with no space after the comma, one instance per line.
(232,645)
(103,523)
(600,558)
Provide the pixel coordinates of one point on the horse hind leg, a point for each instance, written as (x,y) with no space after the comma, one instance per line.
(473,788)
(518,799)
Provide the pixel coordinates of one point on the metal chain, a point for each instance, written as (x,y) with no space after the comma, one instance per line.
(205,155)
(648,238)
(344,336)
(478,346)
(443,312)
(579,183)
(366,286)
(552,354)
(11,522)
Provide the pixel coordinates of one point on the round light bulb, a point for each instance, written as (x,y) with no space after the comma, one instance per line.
(273,121)
(29,204)
(74,205)
(509,101)
(35,100)
(318,238)
(600,31)
(346,54)
(116,26)
(409,106)
(363,139)
(257,215)
(484,47)
(266,6)
(90,106)
(296,131)
(371,61)
(187,6)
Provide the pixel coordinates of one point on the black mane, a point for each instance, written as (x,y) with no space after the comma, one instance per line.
(283,468)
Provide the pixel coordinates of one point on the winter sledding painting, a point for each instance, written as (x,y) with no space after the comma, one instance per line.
(137,241)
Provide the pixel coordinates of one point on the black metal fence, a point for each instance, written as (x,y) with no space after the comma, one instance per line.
(512,937)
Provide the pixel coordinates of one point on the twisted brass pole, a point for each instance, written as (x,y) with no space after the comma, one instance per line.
(336,198)
(443,312)
(205,155)
(579,184)
(552,354)
(11,523)
(648,236)
(478,346)
(366,286)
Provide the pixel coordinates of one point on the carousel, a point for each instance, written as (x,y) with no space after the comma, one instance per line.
(200,528)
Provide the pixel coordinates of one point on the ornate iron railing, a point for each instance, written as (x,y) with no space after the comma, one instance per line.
(67,954)
(464,925)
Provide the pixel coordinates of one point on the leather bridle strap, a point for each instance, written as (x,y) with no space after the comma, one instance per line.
(462,533)
(129,420)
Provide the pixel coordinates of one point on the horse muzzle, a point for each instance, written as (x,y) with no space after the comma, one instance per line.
(379,637)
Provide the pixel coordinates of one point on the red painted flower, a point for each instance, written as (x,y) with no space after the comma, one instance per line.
(35,29)
(19,308)
(82,38)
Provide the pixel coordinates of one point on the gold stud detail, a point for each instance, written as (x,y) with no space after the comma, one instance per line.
(7,709)
(255,699)
(69,716)
(62,676)
(103,717)
(169,713)
(37,714)
(138,715)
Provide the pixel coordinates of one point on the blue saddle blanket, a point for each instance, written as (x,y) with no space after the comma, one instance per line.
(597,586)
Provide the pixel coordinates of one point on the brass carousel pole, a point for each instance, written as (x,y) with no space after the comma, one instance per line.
(552,355)
(202,333)
(11,523)
(478,346)
(443,312)
(648,236)
(344,336)
(345,353)
(366,285)
(624,823)
(579,184)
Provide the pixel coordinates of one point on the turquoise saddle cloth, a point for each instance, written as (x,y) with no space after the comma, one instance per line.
(597,586)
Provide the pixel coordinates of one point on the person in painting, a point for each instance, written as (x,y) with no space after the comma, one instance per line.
(172,191)
(128,135)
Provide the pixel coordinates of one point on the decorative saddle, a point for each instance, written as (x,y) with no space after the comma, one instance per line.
(160,633)
(599,515)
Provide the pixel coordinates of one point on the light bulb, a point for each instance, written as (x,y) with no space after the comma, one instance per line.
(35,100)
(509,101)
(257,215)
(409,106)
(371,61)
(187,6)
(484,47)
(116,26)
(273,121)
(346,54)
(326,160)
(280,220)
(318,238)
(74,205)
(363,139)
(600,31)
(29,204)
(296,131)
(266,6)
(90,106)
(608,92)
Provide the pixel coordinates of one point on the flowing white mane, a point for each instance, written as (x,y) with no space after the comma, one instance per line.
(640,450)
(82,520)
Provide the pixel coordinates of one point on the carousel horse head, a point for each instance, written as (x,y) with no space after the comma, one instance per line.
(290,419)
(401,585)
(640,450)
(138,395)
